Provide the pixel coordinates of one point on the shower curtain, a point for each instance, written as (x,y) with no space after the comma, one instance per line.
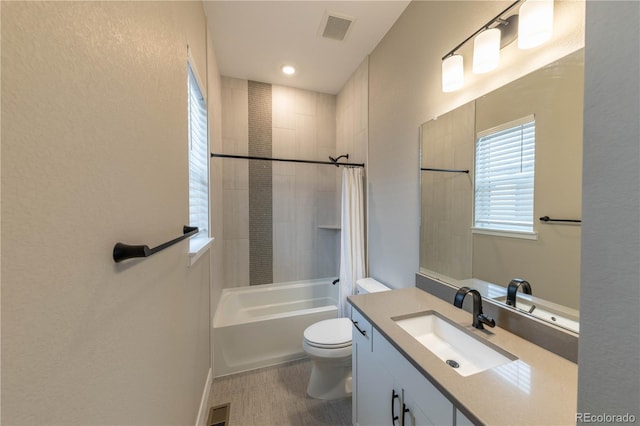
(352,258)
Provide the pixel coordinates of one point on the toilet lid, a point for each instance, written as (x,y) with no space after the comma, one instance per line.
(334,332)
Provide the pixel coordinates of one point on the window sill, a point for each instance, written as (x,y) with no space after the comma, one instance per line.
(197,247)
(523,235)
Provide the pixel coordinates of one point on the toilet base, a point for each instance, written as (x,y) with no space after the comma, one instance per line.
(330,380)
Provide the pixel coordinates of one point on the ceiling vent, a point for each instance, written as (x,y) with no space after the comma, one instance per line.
(335,26)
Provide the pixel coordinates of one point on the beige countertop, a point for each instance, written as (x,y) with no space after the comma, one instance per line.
(540,388)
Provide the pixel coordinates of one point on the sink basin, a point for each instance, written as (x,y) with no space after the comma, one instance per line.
(556,314)
(461,350)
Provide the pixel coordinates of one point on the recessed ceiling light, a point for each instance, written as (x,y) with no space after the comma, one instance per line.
(288,69)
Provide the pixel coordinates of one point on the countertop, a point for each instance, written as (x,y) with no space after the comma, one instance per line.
(540,388)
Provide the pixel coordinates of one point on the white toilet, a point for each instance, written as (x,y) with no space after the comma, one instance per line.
(328,344)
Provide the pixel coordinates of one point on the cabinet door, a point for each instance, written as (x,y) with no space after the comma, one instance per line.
(427,400)
(372,383)
(373,393)
(413,415)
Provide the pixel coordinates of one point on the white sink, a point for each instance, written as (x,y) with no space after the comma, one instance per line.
(556,314)
(461,350)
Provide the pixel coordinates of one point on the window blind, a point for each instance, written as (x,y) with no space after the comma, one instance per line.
(198,157)
(505,160)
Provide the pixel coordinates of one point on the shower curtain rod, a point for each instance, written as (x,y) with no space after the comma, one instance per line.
(249,157)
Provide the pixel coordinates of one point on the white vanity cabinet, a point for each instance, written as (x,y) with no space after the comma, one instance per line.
(385,382)
(371,383)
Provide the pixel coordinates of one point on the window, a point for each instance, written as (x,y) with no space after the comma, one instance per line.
(198,157)
(505,160)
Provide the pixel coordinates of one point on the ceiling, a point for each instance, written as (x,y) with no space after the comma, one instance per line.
(254,39)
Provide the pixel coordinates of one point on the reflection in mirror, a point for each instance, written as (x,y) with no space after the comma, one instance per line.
(548,257)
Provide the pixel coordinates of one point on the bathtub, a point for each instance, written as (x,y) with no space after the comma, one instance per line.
(263,325)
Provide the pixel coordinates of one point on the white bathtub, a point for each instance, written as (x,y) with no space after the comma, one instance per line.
(263,325)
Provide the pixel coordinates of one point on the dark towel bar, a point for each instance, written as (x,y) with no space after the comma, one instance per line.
(125,251)
(429,169)
(548,219)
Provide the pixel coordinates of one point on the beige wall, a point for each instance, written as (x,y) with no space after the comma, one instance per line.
(405,91)
(94,151)
(551,263)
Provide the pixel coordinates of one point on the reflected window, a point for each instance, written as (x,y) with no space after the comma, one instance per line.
(504,174)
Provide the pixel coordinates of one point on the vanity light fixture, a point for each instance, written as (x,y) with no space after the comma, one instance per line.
(486,51)
(452,73)
(534,22)
(288,70)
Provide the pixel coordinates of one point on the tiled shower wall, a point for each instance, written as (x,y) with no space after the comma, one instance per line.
(235,181)
(304,202)
(352,116)
(352,129)
(304,195)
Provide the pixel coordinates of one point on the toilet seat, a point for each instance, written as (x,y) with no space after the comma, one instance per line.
(329,334)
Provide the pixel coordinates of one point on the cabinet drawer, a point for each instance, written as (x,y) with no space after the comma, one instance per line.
(361,330)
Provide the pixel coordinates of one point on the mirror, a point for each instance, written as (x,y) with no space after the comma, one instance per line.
(452,250)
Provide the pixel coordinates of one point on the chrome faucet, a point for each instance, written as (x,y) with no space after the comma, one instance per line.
(478,317)
(512,289)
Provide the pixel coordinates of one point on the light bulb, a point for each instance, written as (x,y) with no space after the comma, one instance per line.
(288,69)
(535,24)
(452,73)
(486,51)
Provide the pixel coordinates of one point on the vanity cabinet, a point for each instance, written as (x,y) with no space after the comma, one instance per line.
(386,385)
(370,404)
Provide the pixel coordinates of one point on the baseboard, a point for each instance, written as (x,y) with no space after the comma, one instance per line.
(203,413)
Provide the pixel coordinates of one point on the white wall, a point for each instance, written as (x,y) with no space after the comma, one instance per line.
(94,151)
(609,351)
(405,91)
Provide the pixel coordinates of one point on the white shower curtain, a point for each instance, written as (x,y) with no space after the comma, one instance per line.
(352,258)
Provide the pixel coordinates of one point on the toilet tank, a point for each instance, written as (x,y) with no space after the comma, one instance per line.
(369,285)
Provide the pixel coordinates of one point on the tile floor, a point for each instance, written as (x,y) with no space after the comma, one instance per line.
(277,396)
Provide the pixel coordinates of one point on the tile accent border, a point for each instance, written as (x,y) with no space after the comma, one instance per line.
(260,185)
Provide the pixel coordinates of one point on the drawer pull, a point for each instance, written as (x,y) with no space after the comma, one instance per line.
(394,395)
(355,324)
(404,410)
